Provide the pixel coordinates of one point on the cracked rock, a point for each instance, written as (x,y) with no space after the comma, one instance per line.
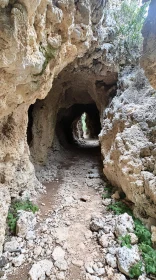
(124,225)
(40,270)
(126,258)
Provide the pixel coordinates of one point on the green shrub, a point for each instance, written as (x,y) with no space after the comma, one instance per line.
(106,195)
(120,208)
(129,18)
(126,241)
(144,240)
(107,192)
(149,257)
(12,218)
(136,270)
(142,232)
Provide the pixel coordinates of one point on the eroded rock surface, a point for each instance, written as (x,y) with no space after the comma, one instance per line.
(37,40)
(148,60)
(128,140)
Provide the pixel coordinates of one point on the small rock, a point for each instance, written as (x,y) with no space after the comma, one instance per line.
(78,263)
(106,201)
(11,246)
(30,235)
(153,238)
(3,261)
(2,273)
(105,239)
(134,238)
(40,270)
(61,264)
(89,269)
(58,253)
(118,276)
(100,271)
(37,250)
(124,225)
(116,195)
(19,260)
(91,277)
(143,277)
(60,275)
(111,260)
(25,223)
(112,250)
(109,272)
(97,224)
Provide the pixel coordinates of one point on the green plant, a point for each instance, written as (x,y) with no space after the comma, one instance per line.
(12,218)
(126,241)
(142,232)
(108,191)
(106,195)
(48,53)
(129,18)
(149,257)
(144,240)
(136,270)
(120,208)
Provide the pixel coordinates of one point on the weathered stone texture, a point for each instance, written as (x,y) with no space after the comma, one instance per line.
(128,140)
(148,60)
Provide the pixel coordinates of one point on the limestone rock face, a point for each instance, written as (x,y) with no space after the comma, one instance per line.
(148,60)
(4,206)
(128,140)
(37,40)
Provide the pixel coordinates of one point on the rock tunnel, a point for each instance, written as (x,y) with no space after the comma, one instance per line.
(74,92)
(64,66)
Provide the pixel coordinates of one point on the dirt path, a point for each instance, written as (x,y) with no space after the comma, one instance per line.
(73,196)
(76,237)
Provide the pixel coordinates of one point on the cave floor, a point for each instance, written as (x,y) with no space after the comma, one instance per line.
(74,195)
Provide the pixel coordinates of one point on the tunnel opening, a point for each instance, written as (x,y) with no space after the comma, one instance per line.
(71,114)
(78,126)
(30,125)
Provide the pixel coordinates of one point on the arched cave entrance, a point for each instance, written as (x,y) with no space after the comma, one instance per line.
(54,121)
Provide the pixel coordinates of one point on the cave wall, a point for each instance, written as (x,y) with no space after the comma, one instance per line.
(128,140)
(148,59)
